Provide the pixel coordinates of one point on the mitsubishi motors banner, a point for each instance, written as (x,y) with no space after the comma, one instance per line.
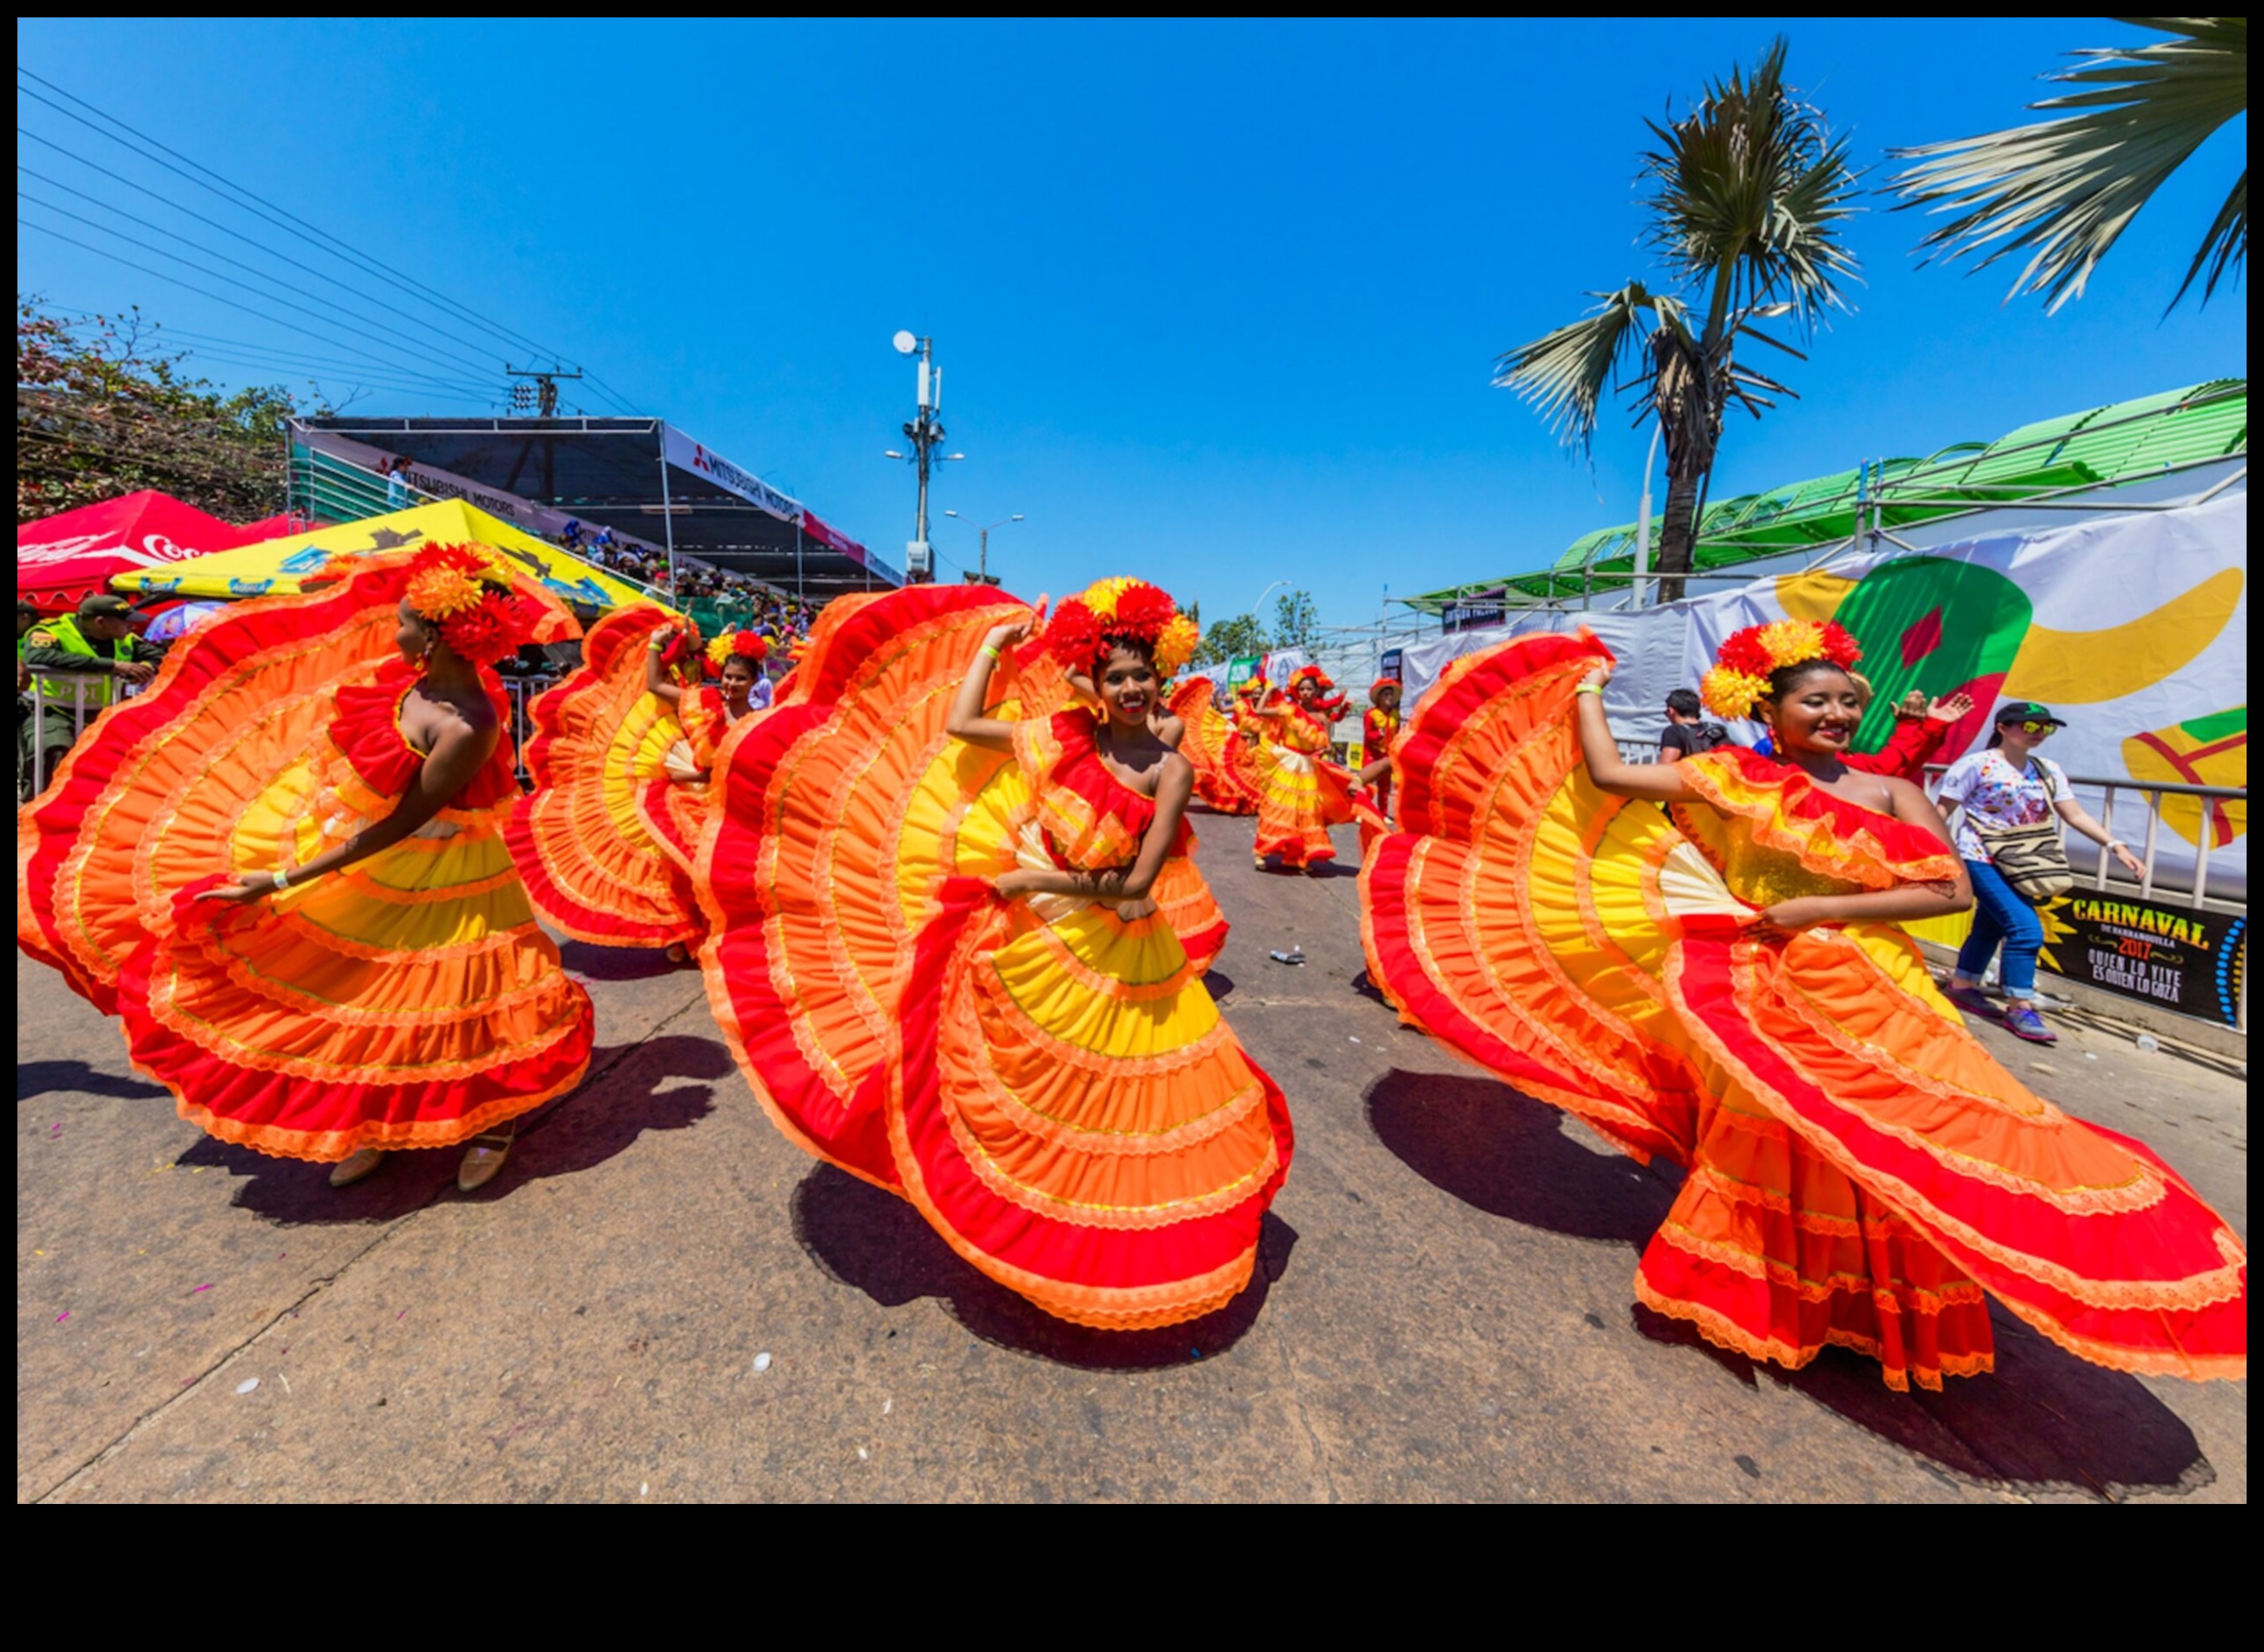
(687,454)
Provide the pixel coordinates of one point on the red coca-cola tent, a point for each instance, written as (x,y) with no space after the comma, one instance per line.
(59,559)
(280,526)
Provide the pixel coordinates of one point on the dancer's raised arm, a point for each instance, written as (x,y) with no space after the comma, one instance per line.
(967,722)
(1661,782)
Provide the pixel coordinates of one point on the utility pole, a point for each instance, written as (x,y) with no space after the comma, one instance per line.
(543,394)
(924,431)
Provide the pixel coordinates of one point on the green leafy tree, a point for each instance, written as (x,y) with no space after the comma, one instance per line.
(2064,190)
(1749,195)
(1231,639)
(103,409)
(1297,622)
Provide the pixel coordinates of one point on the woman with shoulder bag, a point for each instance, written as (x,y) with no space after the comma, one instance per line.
(2010,803)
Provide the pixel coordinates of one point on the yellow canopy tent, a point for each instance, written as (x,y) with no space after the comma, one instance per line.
(275,567)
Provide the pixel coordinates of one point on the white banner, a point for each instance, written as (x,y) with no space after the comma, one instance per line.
(687,454)
(2134,629)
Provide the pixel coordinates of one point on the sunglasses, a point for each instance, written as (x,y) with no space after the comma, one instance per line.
(2037,730)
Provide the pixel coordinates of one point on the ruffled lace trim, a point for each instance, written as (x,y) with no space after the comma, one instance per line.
(1833,838)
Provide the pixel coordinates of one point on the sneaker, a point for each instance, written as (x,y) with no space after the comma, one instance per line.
(1974,1002)
(2022,1022)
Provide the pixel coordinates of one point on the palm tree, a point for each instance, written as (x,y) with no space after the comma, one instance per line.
(1749,194)
(2064,190)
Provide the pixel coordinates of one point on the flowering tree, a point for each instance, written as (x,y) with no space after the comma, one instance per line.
(103,409)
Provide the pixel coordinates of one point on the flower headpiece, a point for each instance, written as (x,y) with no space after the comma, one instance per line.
(738,645)
(1084,628)
(1250,688)
(1740,676)
(1313,674)
(465,593)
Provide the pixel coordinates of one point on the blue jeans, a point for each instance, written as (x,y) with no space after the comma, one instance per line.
(2001,918)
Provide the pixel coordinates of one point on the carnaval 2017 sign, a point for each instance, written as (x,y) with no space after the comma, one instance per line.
(2186,960)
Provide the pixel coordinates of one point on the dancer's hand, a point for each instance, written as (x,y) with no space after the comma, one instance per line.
(1598,677)
(1133,911)
(1014,883)
(1789,918)
(1951,709)
(1016,630)
(250,887)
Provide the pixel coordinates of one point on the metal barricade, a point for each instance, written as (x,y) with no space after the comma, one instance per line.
(82,705)
(524,691)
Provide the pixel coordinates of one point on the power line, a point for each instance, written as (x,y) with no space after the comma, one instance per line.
(286,220)
(224,228)
(277,321)
(275,356)
(278,215)
(332,313)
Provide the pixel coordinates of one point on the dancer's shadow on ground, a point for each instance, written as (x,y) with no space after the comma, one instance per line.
(880,1244)
(621,964)
(636,1089)
(1491,1148)
(2044,1420)
(76,1078)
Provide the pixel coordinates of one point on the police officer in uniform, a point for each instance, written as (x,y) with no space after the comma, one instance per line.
(92,655)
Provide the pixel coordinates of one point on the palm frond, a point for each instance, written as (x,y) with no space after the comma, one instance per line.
(1751,182)
(2064,190)
(1564,375)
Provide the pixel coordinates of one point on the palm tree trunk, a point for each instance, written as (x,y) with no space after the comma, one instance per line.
(1677,527)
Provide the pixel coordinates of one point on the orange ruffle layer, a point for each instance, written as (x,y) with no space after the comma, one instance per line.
(1118,1181)
(1861,1168)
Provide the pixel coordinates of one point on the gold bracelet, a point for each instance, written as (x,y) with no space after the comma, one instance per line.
(995,657)
(1590,688)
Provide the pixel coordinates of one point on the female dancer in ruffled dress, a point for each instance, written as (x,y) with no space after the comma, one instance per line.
(283,868)
(1305,793)
(943,953)
(619,758)
(1227,777)
(1725,983)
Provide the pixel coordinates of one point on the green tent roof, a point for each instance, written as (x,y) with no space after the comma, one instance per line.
(2123,441)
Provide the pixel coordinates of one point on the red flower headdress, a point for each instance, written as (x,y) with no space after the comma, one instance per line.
(1740,676)
(465,593)
(738,645)
(1313,674)
(1086,627)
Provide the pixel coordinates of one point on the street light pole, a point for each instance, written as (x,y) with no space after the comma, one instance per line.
(982,576)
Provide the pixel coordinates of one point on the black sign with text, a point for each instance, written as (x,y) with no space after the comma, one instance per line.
(2186,961)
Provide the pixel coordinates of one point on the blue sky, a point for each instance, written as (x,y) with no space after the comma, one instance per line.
(1216,304)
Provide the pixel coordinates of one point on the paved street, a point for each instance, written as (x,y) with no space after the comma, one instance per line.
(1444,1311)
